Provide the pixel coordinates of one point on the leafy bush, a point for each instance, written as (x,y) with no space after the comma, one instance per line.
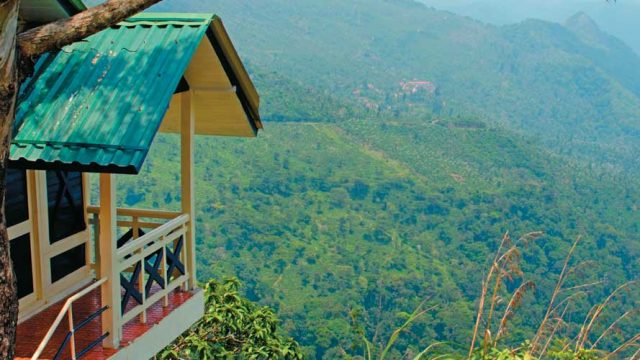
(232,327)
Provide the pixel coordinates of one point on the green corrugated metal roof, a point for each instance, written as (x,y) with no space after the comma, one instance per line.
(97,104)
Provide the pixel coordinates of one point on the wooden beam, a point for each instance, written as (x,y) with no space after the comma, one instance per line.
(187,131)
(108,269)
(54,35)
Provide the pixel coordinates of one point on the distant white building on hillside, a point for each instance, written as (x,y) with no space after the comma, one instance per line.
(413,86)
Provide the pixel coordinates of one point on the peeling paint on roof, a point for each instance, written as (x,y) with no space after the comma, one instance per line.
(96,105)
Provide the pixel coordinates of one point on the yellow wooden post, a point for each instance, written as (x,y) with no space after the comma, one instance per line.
(36,234)
(108,261)
(91,245)
(42,219)
(187,130)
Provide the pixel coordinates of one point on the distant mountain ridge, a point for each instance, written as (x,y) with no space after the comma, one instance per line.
(607,51)
(582,24)
(618,18)
(573,87)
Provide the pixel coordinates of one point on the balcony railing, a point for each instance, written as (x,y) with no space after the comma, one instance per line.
(151,258)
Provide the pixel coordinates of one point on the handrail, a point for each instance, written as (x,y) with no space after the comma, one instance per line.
(71,333)
(65,309)
(143,213)
(149,237)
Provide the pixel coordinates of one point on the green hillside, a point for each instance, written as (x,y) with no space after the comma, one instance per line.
(287,100)
(320,219)
(572,87)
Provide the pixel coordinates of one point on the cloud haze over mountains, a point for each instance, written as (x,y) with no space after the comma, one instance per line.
(617,18)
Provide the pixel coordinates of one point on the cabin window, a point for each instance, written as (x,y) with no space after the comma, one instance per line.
(17,210)
(21,257)
(65,198)
(68,262)
(17,206)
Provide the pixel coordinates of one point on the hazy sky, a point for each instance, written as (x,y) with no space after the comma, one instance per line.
(621,18)
(516,10)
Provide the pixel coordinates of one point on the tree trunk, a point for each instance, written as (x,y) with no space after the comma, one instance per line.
(17,53)
(55,35)
(8,92)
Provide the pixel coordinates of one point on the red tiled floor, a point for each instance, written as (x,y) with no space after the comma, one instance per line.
(31,332)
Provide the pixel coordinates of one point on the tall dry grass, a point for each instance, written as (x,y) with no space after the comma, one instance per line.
(506,266)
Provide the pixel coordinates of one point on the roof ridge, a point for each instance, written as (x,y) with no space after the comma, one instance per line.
(169,18)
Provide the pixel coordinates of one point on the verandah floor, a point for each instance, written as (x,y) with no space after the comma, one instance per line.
(31,332)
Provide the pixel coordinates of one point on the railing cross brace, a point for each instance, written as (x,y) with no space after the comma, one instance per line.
(152,270)
(173,259)
(130,288)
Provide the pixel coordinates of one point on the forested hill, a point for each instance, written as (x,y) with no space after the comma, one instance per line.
(572,86)
(322,219)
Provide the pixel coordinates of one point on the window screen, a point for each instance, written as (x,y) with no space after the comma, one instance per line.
(66,213)
(17,206)
(21,257)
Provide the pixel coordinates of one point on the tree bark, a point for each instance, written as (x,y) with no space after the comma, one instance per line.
(55,35)
(8,92)
(17,53)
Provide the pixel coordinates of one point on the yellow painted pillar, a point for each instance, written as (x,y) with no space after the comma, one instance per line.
(37,233)
(108,261)
(42,219)
(187,131)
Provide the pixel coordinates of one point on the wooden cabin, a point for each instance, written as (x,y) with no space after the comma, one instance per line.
(95,280)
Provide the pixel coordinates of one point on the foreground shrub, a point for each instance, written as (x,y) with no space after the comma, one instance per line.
(232,327)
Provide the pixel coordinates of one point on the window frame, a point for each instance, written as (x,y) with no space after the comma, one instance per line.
(49,250)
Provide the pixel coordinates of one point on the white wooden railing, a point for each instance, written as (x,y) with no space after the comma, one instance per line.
(135,219)
(160,241)
(153,233)
(67,310)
